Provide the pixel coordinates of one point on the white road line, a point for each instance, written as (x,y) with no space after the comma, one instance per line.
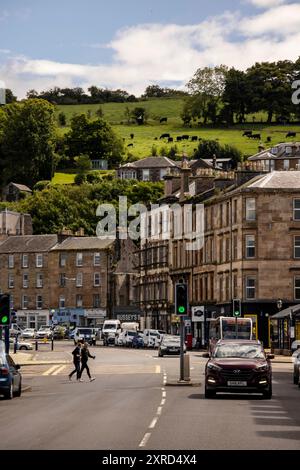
(271,417)
(157,369)
(270,411)
(164,394)
(159,410)
(145,439)
(153,423)
(163,402)
(49,371)
(60,369)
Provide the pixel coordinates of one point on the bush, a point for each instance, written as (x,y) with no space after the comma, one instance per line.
(40,185)
(80,179)
(94,177)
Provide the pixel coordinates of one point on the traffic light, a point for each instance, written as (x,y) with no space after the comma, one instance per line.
(4,310)
(236,308)
(181,299)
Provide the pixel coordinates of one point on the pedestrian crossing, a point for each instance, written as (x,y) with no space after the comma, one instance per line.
(97,369)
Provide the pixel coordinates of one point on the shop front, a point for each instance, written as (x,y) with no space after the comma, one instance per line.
(285,328)
(68,316)
(94,317)
(32,318)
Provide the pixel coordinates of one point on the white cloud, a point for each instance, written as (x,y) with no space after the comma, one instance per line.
(168,54)
(266,3)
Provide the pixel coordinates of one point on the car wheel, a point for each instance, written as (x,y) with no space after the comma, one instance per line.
(22,348)
(267,394)
(209,393)
(10,393)
(296,380)
(19,391)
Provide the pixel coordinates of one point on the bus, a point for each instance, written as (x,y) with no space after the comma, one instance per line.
(229,328)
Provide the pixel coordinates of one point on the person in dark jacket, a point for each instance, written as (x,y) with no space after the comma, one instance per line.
(76,361)
(85,354)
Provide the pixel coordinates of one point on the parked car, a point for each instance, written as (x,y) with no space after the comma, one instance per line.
(296,360)
(28,333)
(119,338)
(10,377)
(170,344)
(15,330)
(128,337)
(85,334)
(109,339)
(138,340)
(44,332)
(152,338)
(59,332)
(295,345)
(238,366)
(21,345)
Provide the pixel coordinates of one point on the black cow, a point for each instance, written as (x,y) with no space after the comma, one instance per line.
(178,139)
(164,136)
(291,134)
(132,136)
(185,137)
(155,138)
(163,119)
(247,133)
(269,139)
(130,145)
(170,139)
(255,136)
(194,138)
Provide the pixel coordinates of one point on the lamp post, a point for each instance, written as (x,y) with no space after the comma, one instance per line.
(280,329)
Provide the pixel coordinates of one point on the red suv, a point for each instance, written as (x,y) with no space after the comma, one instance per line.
(238,366)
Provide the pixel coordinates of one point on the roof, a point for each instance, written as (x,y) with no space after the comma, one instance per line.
(278,180)
(83,243)
(28,244)
(21,187)
(281,151)
(151,162)
(295,309)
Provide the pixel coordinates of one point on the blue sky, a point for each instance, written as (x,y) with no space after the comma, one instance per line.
(131,43)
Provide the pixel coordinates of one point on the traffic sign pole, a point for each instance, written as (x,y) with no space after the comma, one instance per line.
(181,348)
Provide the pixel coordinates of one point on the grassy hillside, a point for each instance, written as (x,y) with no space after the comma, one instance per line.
(144,136)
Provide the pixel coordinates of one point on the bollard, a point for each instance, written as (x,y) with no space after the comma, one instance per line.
(186,368)
(52,344)
(36,345)
(16,345)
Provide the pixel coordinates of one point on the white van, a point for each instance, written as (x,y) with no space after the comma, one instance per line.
(111,326)
(15,330)
(152,338)
(130,326)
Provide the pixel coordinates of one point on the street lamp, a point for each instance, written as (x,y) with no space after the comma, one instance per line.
(279,304)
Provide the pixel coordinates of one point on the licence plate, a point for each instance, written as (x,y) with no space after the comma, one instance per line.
(236,383)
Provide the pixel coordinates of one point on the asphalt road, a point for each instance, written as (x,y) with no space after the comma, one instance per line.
(129,406)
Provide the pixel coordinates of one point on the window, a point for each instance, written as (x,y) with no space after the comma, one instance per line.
(297,288)
(62,280)
(234,213)
(296,209)
(250,209)
(62,301)
(25,301)
(62,260)
(39,280)
(250,288)
(234,285)
(235,246)
(163,172)
(39,260)
(79,259)
(11,281)
(96,300)
(146,175)
(25,280)
(97,259)
(250,246)
(297,247)
(79,301)
(286,165)
(11,261)
(79,280)
(24,261)
(39,302)
(96,279)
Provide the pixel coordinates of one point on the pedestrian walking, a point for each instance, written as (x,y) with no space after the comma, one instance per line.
(76,361)
(85,354)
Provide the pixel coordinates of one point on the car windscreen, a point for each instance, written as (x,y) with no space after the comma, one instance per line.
(110,326)
(85,332)
(131,333)
(250,351)
(229,329)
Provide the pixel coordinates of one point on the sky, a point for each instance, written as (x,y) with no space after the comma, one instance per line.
(130,44)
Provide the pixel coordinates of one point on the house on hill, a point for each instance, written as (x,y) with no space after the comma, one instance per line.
(13,192)
(148,169)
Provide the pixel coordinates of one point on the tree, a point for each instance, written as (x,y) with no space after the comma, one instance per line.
(206,88)
(62,119)
(140,115)
(236,95)
(99,113)
(95,139)
(28,141)
(9,96)
(209,148)
(186,114)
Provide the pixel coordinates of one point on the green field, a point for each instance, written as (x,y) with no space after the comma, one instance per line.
(144,136)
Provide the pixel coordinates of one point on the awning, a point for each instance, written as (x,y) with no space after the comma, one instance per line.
(286,313)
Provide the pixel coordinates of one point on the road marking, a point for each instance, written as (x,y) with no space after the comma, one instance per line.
(157,369)
(60,369)
(269,411)
(271,417)
(164,394)
(163,402)
(159,409)
(153,423)
(145,439)
(49,371)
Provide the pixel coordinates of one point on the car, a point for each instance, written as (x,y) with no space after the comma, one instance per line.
(21,345)
(44,332)
(152,338)
(138,340)
(85,334)
(28,333)
(15,330)
(119,338)
(10,377)
(296,361)
(237,366)
(295,345)
(170,344)
(59,332)
(128,337)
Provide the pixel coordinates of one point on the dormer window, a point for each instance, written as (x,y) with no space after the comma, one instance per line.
(274,150)
(288,150)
